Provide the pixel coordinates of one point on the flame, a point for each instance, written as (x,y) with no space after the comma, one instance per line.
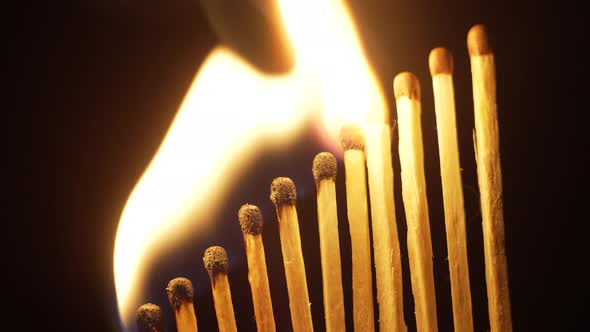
(229,110)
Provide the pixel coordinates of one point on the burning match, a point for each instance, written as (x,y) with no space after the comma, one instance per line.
(353,144)
(366,141)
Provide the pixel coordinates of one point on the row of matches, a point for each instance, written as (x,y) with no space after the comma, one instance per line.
(367,159)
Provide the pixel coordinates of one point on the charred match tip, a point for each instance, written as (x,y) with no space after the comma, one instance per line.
(250,219)
(324,166)
(407,85)
(477,41)
(440,61)
(180,290)
(215,260)
(282,191)
(352,137)
(149,318)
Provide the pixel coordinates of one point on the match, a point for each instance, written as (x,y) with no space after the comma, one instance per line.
(353,144)
(324,173)
(251,223)
(441,69)
(149,318)
(368,162)
(216,261)
(388,264)
(180,295)
(406,89)
(489,174)
(284,196)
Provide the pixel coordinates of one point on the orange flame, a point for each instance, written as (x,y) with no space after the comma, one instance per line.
(229,110)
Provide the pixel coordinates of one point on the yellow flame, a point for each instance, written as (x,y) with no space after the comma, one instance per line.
(229,110)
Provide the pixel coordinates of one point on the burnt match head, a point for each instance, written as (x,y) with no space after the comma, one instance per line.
(440,61)
(250,219)
(180,290)
(282,191)
(149,318)
(352,137)
(478,42)
(406,85)
(324,166)
(215,260)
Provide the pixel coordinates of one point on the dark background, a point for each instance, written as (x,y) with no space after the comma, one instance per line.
(99,82)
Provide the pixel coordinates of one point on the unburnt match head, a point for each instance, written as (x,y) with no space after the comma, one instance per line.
(149,318)
(406,85)
(324,167)
(250,219)
(440,61)
(282,191)
(215,260)
(180,290)
(477,41)
(352,137)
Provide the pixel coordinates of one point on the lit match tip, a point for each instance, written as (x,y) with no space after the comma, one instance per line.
(440,61)
(477,41)
(180,290)
(250,219)
(149,318)
(282,191)
(407,85)
(352,137)
(215,260)
(324,166)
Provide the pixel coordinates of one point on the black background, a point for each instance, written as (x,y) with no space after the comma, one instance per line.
(99,82)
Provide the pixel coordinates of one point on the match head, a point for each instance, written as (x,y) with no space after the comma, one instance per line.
(407,85)
(324,166)
(215,260)
(149,318)
(478,42)
(440,61)
(250,219)
(352,137)
(180,290)
(282,191)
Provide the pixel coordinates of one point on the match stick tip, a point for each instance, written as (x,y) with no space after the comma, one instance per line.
(149,318)
(407,85)
(352,137)
(215,260)
(324,166)
(282,191)
(478,42)
(440,61)
(180,290)
(250,219)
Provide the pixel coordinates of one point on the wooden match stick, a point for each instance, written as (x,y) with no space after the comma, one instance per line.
(489,173)
(180,295)
(284,196)
(216,261)
(251,223)
(149,318)
(388,264)
(324,173)
(353,144)
(441,68)
(406,89)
